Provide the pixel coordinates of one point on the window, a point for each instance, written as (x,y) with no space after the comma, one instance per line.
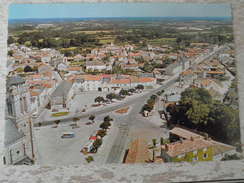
(194,152)
(4,160)
(17,152)
(195,158)
(205,155)
(205,149)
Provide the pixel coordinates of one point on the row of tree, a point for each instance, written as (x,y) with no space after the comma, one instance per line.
(123,93)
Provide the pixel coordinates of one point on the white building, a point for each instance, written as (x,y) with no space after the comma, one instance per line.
(14,145)
(99,66)
(18,97)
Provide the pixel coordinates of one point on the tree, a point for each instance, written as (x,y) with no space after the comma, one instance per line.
(57,122)
(153,97)
(105,125)
(10,53)
(159,93)
(111,96)
(151,102)
(99,99)
(147,107)
(161,141)
(97,143)
(198,112)
(230,157)
(132,90)
(123,92)
(89,159)
(28,69)
(11,40)
(92,117)
(199,94)
(101,133)
(154,141)
(107,119)
(140,87)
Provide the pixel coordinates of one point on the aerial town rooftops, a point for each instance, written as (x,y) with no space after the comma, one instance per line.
(184,146)
(94,63)
(192,140)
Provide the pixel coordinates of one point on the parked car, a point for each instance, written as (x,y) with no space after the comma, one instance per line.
(68,135)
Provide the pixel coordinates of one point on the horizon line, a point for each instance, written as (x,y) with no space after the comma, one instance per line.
(125,17)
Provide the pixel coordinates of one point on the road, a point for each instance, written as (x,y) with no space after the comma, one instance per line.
(131,120)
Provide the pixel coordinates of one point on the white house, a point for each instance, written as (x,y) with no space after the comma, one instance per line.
(96,65)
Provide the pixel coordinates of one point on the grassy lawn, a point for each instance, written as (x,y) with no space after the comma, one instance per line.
(58,114)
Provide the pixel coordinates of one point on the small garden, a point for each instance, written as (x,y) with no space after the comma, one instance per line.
(58,114)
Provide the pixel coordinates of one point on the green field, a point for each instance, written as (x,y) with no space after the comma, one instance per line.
(162,41)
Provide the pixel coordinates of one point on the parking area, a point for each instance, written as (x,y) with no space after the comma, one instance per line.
(54,150)
(85,100)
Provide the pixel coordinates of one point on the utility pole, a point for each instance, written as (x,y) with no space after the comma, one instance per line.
(31,138)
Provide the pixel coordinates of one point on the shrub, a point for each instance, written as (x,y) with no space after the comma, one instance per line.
(89,159)
(97,143)
(101,133)
(105,125)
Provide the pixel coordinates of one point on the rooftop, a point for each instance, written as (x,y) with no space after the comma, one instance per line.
(184,146)
(12,134)
(186,134)
(62,89)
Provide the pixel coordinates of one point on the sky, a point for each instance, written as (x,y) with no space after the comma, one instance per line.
(84,10)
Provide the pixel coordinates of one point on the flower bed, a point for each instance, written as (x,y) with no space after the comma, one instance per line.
(58,114)
(123,110)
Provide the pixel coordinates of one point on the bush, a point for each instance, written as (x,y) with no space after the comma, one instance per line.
(101,133)
(140,87)
(105,125)
(230,157)
(107,118)
(147,107)
(89,159)
(91,117)
(97,143)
